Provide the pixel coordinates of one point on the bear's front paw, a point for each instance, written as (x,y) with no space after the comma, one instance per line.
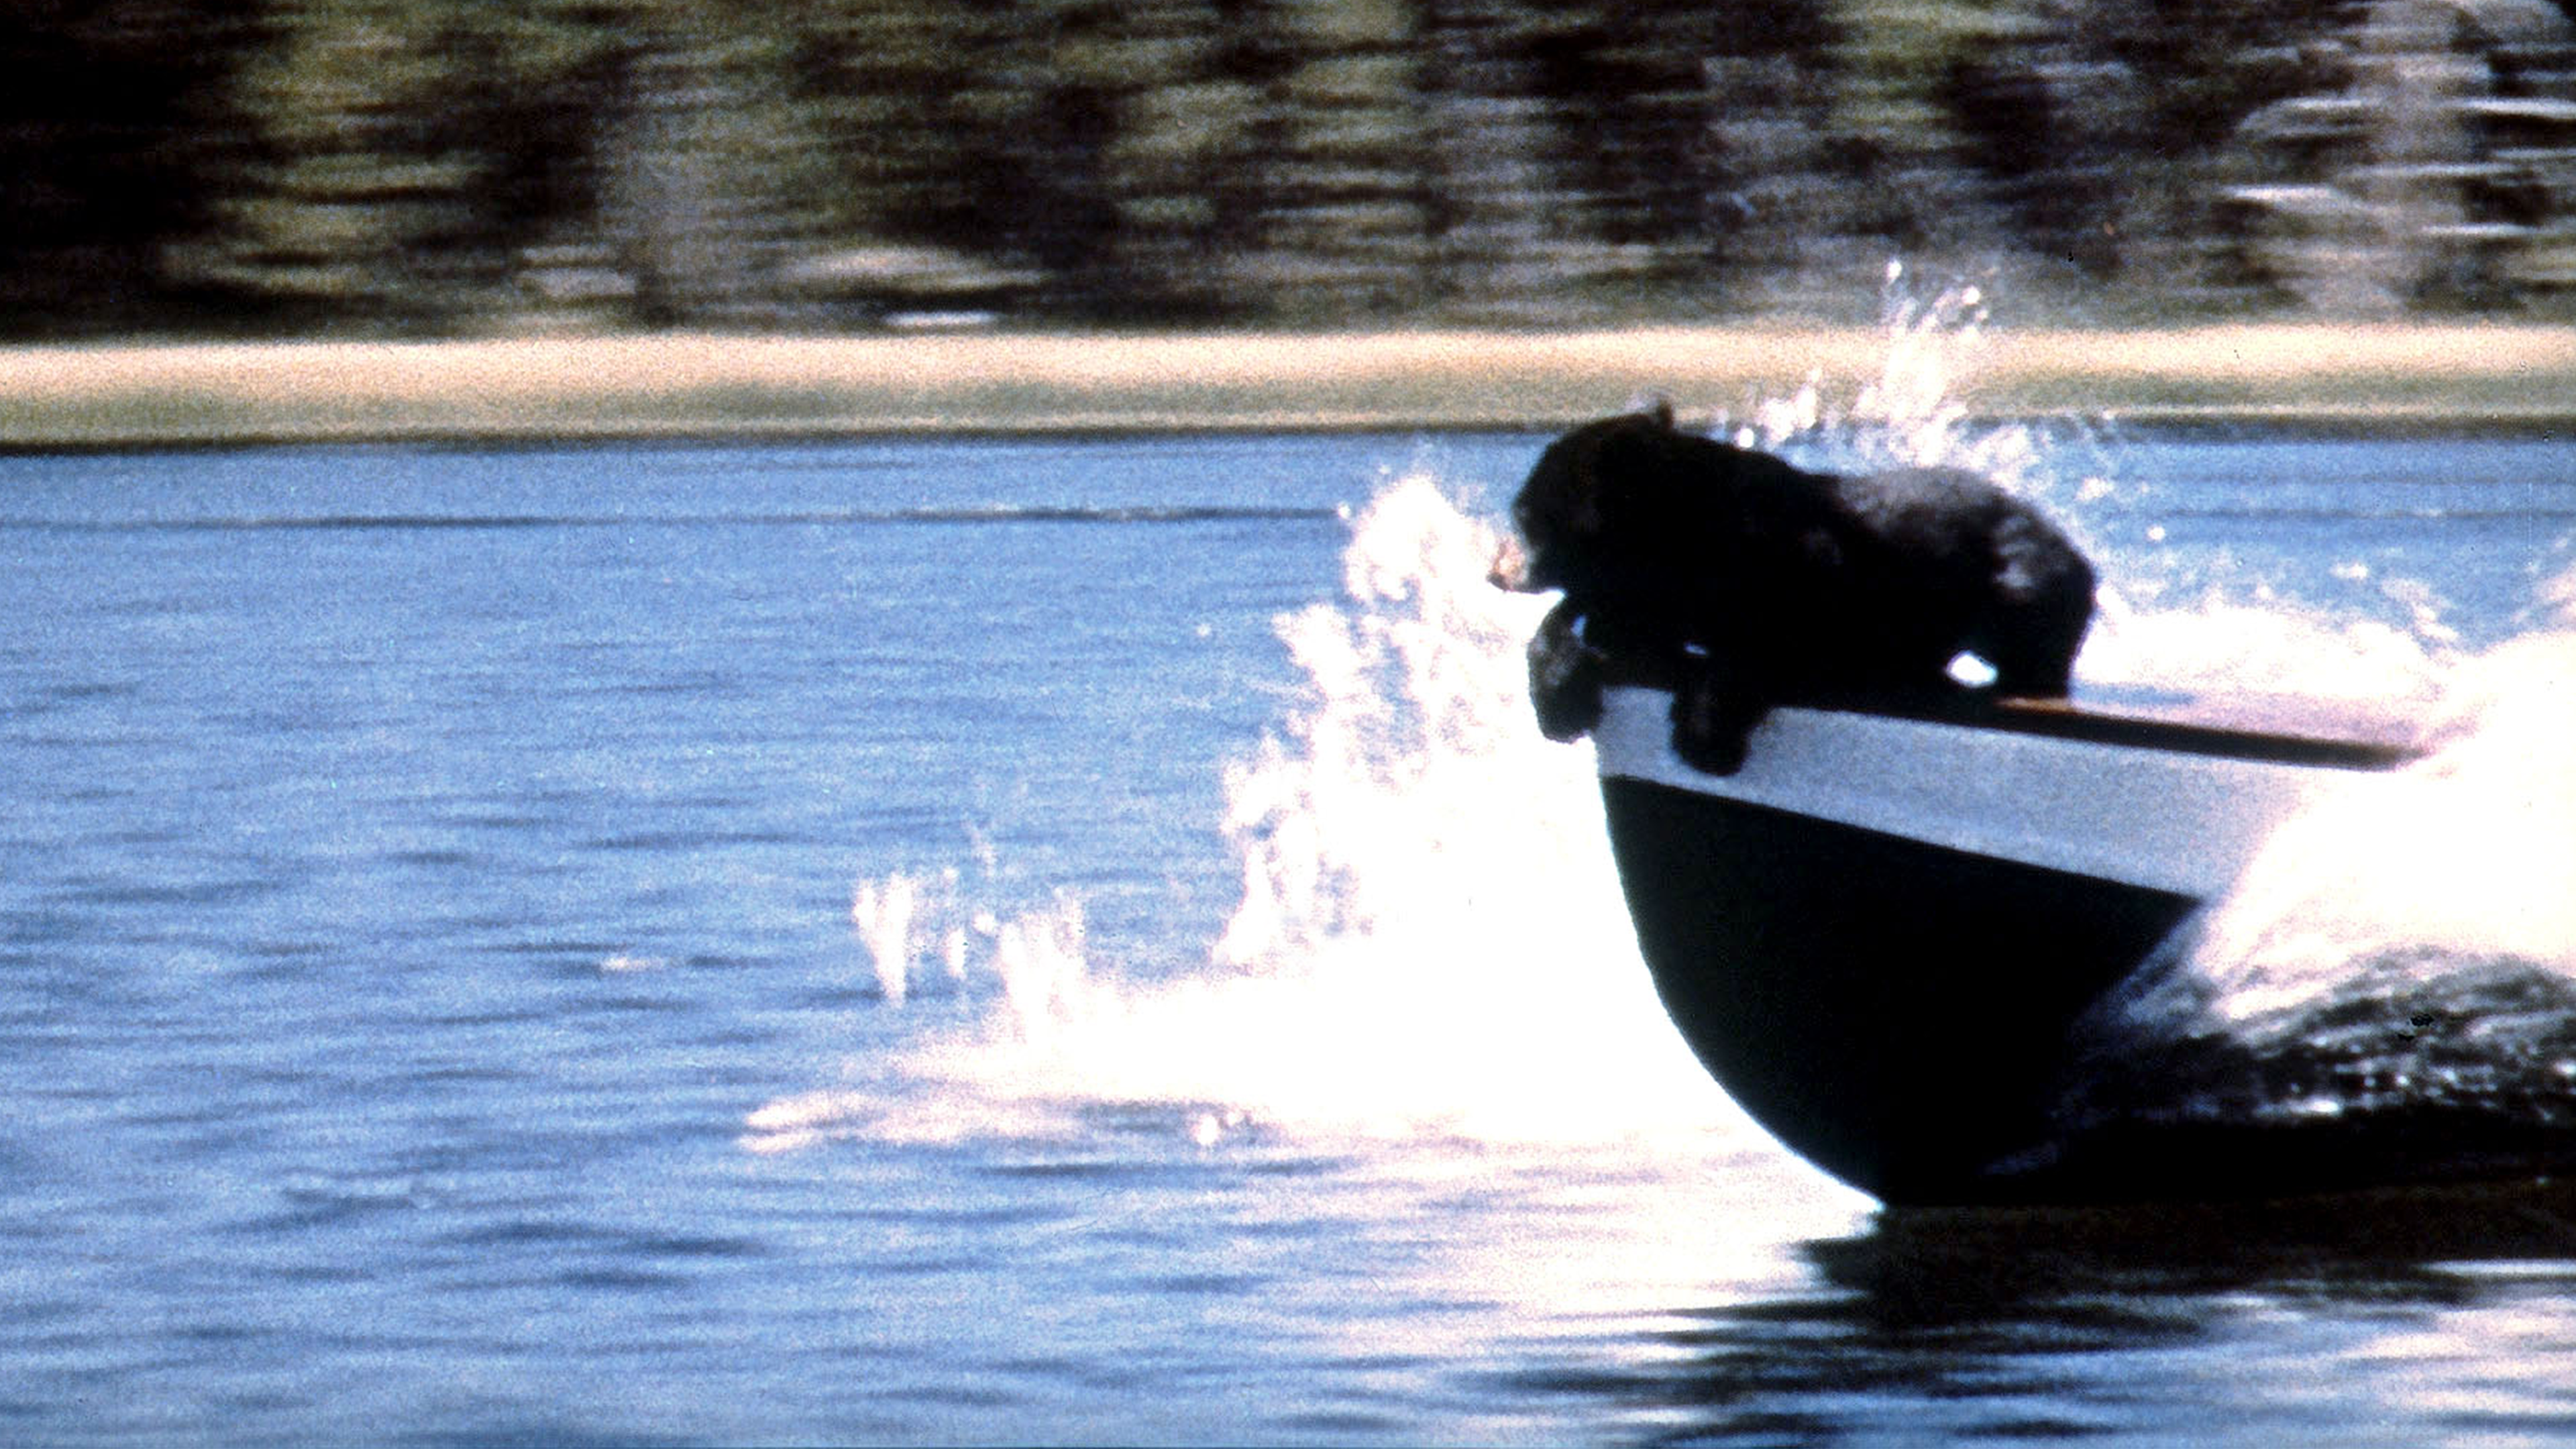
(1564,675)
(1709,753)
(1565,691)
(1711,724)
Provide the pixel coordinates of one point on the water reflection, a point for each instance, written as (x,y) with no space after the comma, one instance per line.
(2249,1322)
(1934,1265)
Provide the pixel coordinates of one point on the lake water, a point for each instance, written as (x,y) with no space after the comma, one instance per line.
(1071,941)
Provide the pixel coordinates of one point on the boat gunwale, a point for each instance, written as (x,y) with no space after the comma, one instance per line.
(2361,747)
(2279,729)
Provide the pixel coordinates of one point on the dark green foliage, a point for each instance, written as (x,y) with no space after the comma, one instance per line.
(435,166)
(113,140)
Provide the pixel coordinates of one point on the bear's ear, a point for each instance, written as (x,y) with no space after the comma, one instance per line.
(1654,407)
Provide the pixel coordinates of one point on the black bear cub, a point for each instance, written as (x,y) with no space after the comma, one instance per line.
(1747,582)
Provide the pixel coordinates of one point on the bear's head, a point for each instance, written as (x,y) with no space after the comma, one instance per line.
(1585,486)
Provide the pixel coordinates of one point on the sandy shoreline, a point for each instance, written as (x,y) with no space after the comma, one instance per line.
(681,385)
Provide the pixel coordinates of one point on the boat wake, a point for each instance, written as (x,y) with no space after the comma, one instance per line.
(2393,975)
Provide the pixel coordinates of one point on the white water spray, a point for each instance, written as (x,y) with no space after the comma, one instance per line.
(1913,414)
(1430,939)
(2464,863)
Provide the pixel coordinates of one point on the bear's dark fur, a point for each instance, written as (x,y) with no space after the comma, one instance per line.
(1749,581)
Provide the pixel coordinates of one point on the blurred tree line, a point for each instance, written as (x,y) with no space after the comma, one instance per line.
(431,166)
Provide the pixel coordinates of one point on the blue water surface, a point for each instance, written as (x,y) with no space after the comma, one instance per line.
(417,865)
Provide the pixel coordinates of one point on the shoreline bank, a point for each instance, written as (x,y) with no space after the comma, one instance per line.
(694,386)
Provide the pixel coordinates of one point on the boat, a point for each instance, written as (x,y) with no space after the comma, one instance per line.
(1878,932)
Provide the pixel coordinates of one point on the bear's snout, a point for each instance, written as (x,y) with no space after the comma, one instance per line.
(1511,568)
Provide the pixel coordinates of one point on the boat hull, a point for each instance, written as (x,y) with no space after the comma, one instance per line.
(1892,1011)
(1879,933)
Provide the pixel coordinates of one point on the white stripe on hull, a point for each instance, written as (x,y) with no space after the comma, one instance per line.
(2165,819)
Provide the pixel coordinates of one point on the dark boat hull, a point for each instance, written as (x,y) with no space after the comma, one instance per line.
(1878,935)
(1892,1011)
